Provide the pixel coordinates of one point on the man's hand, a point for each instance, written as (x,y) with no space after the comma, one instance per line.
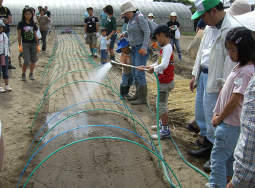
(85,35)
(143,51)
(191,85)
(229,185)
(97,35)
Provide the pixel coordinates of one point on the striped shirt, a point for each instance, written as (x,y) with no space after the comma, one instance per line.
(244,165)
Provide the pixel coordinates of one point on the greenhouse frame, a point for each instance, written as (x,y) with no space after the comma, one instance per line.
(70,12)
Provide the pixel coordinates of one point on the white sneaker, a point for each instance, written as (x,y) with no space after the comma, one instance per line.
(8,88)
(163,134)
(154,127)
(2,90)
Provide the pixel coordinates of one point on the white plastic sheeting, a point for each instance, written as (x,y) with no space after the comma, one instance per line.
(70,12)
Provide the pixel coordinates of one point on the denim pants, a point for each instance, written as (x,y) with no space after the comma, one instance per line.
(104,55)
(204,106)
(226,137)
(127,80)
(177,45)
(44,34)
(4,69)
(138,60)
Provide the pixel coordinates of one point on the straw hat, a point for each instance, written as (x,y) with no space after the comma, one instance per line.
(127,7)
(151,14)
(247,20)
(239,7)
(173,14)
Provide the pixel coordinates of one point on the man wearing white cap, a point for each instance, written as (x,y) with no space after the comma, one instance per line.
(244,165)
(212,64)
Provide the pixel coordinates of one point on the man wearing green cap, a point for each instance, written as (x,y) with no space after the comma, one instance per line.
(211,68)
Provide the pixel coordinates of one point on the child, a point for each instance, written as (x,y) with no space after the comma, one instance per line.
(226,119)
(27,31)
(4,53)
(104,45)
(127,77)
(165,69)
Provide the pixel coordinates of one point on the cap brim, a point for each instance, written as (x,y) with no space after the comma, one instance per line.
(154,36)
(197,14)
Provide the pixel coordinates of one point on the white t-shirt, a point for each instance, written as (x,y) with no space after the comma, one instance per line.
(104,43)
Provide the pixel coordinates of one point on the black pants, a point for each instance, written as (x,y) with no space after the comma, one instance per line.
(44,34)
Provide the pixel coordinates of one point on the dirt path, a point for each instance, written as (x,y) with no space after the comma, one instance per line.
(93,163)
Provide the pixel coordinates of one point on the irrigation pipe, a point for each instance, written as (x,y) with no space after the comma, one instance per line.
(153,147)
(116,138)
(86,102)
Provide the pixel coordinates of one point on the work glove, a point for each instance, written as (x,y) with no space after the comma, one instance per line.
(20,49)
(97,35)
(85,35)
(38,49)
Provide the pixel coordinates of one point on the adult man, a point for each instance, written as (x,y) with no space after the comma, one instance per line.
(103,17)
(49,15)
(244,165)
(6,16)
(91,29)
(212,64)
(39,10)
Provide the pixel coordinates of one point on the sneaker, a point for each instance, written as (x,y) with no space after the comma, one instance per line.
(8,88)
(95,56)
(2,90)
(31,76)
(163,134)
(180,57)
(24,77)
(154,127)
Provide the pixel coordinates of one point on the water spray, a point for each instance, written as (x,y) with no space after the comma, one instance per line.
(122,64)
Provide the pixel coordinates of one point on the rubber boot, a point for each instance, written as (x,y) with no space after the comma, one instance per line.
(95,52)
(207,166)
(142,95)
(122,92)
(92,52)
(24,77)
(204,151)
(136,94)
(127,92)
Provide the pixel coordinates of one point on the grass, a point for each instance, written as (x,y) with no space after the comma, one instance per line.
(188,33)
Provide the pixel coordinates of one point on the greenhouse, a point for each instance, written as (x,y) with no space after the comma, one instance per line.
(70,13)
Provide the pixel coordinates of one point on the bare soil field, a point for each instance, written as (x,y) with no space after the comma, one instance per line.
(74,98)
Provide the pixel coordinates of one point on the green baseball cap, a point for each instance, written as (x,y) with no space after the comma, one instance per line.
(202,6)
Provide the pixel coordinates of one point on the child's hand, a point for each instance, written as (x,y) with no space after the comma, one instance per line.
(38,49)
(215,120)
(106,51)
(151,70)
(20,49)
(9,58)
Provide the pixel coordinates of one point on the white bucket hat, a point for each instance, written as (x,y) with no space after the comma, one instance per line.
(173,14)
(127,7)
(239,7)
(151,14)
(247,20)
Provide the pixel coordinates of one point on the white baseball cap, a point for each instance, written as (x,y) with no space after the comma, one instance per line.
(173,14)
(151,14)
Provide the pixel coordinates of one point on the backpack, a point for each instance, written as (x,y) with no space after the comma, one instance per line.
(152,25)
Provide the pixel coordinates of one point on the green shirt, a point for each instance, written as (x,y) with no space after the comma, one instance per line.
(111,24)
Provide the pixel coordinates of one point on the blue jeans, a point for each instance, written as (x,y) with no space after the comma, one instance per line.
(104,55)
(137,60)
(127,80)
(177,45)
(204,106)
(226,137)
(4,69)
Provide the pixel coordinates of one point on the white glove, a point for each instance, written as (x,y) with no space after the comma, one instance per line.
(97,35)
(85,35)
